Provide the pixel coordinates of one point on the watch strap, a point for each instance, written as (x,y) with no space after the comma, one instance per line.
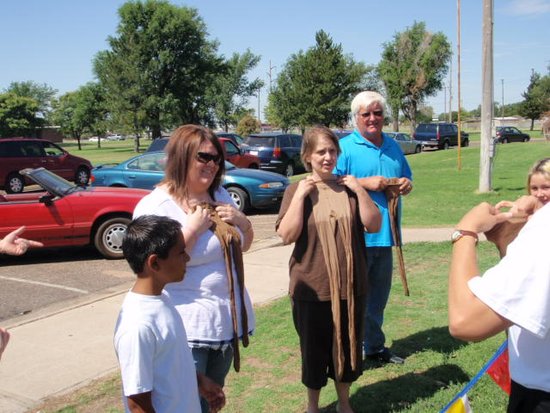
(464,232)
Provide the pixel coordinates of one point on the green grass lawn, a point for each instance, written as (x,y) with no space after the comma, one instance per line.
(436,368)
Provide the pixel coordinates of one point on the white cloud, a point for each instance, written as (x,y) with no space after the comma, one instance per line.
(528,7)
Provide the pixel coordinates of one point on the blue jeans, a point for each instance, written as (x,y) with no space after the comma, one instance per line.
(379,270)
(214,364)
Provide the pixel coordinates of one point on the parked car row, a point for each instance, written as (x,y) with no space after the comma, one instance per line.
(247,187)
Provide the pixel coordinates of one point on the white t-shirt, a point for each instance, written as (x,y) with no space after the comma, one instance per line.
(518,288)
(202,298)
(149,337)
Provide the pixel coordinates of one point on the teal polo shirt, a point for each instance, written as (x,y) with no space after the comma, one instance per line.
(362,159)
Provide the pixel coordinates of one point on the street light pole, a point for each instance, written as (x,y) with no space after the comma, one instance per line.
(502,105)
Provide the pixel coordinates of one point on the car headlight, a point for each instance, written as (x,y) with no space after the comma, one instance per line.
(270,185)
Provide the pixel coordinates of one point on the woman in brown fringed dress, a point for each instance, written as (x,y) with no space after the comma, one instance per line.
(325,216)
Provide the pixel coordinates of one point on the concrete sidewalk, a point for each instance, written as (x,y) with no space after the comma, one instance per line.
(62,349)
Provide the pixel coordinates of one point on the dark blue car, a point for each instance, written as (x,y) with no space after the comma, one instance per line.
(247,187)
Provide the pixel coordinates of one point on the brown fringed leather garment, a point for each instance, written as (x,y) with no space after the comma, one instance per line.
(230,241)
(392,195)
(332,215)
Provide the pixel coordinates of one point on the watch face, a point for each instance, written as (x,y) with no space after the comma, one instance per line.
(456,235)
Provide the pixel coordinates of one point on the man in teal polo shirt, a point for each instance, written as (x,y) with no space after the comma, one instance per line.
(372,157)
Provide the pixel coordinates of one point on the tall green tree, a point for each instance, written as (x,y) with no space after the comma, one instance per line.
(412,68)
(67,114)
(231,89)
(316,86)
(43,95)
(92,109)
(536,98)
(159,65)
(18,115)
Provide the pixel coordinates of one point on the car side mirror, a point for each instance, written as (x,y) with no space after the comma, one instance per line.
(46,199)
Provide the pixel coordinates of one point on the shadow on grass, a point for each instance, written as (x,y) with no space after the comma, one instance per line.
(436,339)
(401,392)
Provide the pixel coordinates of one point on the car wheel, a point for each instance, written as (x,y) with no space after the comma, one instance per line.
(82,176)
(289,171)
(525,139)
(466,143)
(446,145)
(418,149)
(15,183)
(239,197)
(504,140)
(109,235)
(253,166)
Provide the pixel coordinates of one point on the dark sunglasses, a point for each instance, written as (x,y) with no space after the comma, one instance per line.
(205,157)
(376,113)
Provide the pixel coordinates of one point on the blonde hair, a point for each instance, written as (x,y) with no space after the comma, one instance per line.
(540,167)
(310,139)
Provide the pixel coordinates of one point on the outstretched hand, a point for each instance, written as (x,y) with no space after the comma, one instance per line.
(12,244)
(482,218)
(212,392)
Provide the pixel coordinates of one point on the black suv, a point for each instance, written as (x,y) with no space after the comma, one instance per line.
(439,135)
(278,152)
(21,153)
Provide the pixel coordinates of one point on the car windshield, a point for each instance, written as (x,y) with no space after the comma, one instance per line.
(426,127)
(260,141)
(229,166)
(52,182)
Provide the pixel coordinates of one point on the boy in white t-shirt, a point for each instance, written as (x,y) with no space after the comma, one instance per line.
(158,372)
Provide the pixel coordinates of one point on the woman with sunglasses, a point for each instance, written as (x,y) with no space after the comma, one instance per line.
(212,301)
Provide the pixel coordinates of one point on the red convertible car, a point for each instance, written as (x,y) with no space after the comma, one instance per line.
(63,214)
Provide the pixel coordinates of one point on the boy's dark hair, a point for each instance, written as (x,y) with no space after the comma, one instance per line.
(146,235)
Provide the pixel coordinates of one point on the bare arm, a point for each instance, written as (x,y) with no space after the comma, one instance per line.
(292,223)
(374,183)
(4,338)
(469,317)
(368,211)
(141,403)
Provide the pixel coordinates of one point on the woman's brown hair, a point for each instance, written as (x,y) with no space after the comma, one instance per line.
(310,139)
(181,151)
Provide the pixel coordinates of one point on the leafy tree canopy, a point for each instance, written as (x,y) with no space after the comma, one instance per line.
(536,97)
(18,115)
(247,125)
(413,67)
(42,94)
(159,65)
(316,86)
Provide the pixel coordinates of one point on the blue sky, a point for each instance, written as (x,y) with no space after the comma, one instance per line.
(54,41)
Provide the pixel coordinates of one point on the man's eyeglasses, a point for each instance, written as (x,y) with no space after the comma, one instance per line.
(377,113)
(205,157)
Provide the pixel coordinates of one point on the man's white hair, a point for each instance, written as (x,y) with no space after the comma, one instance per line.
(364,100)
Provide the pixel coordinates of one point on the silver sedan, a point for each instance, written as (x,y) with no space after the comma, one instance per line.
(407,144)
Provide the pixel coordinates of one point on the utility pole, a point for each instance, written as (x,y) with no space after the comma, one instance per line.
(459,160)
(502,104)
(451,92)
(270,75)
(487,101)
(259,113)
